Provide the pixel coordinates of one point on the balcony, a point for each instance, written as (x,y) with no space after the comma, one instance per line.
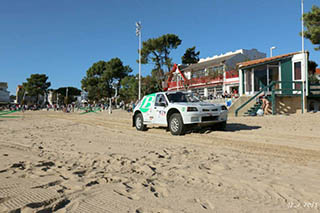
(206,80)
(232,74)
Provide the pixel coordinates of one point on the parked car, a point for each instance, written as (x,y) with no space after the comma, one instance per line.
(177,110)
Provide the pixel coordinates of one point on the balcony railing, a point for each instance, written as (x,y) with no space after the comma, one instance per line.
(232,74)
(195,81)
(205,80)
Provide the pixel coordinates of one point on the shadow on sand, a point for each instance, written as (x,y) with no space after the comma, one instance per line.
(232,127)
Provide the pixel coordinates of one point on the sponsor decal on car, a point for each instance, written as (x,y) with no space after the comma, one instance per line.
(162,113)
(147,102)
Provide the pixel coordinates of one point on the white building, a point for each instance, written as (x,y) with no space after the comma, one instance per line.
(212,75)
(4,94)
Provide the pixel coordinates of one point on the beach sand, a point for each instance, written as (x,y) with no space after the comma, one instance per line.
(96,162)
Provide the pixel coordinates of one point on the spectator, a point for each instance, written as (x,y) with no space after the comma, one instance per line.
(265,105)
(225,95)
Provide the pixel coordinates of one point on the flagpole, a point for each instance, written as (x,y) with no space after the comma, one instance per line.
(140,65)
(138,33)
(304,60)
(302,27)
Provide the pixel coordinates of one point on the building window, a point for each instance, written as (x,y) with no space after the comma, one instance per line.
(215,91)
(216,71)
(198,74)
(198,92)
(297,71)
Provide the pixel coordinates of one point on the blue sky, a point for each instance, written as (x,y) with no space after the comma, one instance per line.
(63,38)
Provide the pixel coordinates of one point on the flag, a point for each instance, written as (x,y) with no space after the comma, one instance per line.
(138,28)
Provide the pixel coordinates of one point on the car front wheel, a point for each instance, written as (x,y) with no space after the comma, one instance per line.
(139,122)
(222,126)
(176,125)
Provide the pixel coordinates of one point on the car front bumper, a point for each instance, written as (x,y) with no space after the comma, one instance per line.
(205,118)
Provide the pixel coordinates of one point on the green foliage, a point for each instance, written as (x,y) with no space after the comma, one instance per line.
(312,23)
(36,85)
(21,94)
(149,85)
(313,79)
(157,51)
(312,66)
(62,94)
(12,98)
(93,83)
(129,88)
(190,56)
(72,91)
(101,76)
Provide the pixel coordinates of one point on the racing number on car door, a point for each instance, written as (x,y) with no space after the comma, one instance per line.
(160,109)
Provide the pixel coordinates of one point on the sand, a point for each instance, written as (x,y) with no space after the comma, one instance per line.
(96,162)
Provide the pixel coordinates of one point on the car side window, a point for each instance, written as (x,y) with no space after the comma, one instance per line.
(160,99)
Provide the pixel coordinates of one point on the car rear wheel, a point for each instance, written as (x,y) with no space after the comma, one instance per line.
(176,125)
(139,123)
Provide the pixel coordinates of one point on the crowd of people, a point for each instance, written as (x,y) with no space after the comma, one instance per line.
(19,107)
(70,107)
(232,94)
(129,107)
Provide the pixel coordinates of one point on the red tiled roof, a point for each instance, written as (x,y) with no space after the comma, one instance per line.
(317,71)
(263,60)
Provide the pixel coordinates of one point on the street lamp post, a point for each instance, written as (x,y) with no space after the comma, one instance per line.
(272,48)
(304,60)
(138,33)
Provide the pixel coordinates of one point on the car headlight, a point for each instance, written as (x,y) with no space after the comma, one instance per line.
(192,109)
(224,108)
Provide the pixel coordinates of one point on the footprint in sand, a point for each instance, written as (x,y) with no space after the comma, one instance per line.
(205,204)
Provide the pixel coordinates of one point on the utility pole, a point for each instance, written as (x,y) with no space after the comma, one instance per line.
(138,33)
(110,106)
(302,27)
(304,60)
(66,99)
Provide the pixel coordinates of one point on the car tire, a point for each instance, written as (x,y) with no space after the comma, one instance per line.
(176,125)
(222,126)
(139,123)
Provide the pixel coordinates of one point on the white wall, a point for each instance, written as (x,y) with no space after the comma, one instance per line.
(240,82)
(301,57)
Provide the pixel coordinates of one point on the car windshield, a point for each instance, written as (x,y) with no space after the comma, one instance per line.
(182,97)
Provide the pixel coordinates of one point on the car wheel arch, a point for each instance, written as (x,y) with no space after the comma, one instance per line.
(171,112)
(134,117)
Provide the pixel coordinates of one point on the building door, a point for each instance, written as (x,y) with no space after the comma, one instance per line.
(273,72)
(248,82)
(260,78)
(297,76)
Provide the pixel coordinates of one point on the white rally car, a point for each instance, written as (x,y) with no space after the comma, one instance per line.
(177,110)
